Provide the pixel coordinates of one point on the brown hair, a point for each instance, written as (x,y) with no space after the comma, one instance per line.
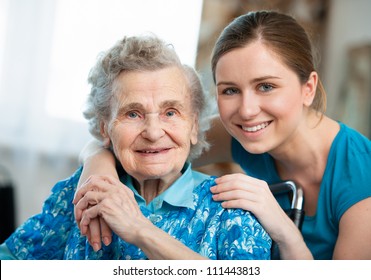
(282,34)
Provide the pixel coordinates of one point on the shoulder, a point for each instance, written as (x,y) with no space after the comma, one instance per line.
(355,142)
(347,176)
(201,178)
(59,202)
(52,225)
(202,187)
(350,153)
(238,232)
(63,192)
(70,182)
(228,218)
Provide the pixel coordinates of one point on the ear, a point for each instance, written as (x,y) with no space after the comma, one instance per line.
(309,89)
(194,132)
(105,135)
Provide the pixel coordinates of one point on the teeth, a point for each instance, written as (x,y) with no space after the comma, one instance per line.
(255,128)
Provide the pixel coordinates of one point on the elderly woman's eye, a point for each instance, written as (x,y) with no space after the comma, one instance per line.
(170,113)
(132,115)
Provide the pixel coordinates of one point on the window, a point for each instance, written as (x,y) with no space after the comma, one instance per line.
(84,28)
(45,59)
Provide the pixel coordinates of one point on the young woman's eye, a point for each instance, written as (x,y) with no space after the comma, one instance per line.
(265,87)
(230,91)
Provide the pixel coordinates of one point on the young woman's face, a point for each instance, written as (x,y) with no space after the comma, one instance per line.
(261,101)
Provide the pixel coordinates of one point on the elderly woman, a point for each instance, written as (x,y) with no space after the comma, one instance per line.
(147,107)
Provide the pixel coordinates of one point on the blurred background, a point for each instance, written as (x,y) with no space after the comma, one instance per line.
(48,46)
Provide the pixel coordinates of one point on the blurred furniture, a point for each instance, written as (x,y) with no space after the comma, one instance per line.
(7,205)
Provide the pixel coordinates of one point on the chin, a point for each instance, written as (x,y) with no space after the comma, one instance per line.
(256,149)
(155,173)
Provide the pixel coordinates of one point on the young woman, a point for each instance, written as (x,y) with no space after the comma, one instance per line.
(272,123)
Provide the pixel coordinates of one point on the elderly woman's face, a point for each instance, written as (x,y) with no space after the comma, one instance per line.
(152,125)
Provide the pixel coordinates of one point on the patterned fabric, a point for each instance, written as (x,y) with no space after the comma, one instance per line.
(208,229)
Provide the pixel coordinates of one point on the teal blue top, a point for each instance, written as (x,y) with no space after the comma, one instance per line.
(346,181)
(180,194)
(185,210)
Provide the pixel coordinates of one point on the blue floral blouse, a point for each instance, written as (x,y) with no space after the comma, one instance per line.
(204,226)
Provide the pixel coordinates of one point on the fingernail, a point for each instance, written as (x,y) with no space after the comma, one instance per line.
(106,241)
(96,247)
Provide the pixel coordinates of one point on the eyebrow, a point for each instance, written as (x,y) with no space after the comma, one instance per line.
(172,103)
(260,79)
(256,80)
(140,107)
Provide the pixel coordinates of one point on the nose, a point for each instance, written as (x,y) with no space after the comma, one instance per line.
(249,106)
(152,129)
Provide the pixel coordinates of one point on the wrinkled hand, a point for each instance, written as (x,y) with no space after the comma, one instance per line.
(98,230)
(103,204)
(251,194)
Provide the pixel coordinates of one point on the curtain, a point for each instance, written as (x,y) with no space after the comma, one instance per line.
(44,63)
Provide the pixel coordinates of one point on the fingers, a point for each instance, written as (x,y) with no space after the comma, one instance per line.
(99,198)
(106,232)
(90,198)
(87,218)
(94,182)
(240,204)
(238,182)
(235,194)
(98,231)
(94,234)
(247,193)
(242,191)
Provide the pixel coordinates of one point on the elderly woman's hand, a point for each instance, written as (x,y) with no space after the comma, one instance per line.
(99,161)
(114,204)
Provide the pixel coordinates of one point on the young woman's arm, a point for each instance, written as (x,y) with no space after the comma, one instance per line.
(354,240)
(97,160)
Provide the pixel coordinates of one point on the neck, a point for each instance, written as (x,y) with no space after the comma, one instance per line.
(151,188)
(304,157)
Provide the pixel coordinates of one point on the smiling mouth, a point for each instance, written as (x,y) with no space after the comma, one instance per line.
(155,151)
(256,127)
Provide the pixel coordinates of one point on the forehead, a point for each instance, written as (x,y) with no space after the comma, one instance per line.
(151,86)
(255,59)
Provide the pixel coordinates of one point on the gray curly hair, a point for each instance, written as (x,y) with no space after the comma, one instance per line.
(141,53)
